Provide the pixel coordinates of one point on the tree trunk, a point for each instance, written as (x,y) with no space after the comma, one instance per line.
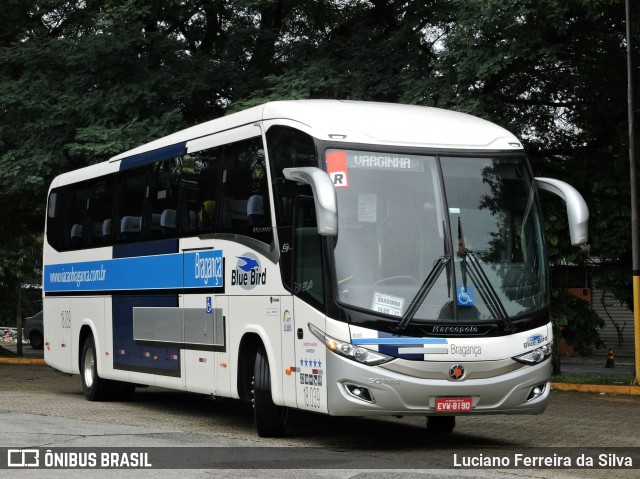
(19,319)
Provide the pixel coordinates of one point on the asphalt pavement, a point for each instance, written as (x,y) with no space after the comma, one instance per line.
(41,409)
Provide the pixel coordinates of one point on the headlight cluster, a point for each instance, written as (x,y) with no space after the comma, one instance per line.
(348,350)
(536,356)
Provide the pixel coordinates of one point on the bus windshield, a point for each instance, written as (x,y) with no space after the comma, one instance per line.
(446,238)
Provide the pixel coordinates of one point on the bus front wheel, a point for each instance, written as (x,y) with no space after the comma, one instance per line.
(271,420)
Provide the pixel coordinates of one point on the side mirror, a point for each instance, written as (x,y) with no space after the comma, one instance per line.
(577,210)
(324,196)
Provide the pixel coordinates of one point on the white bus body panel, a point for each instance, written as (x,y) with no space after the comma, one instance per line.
(393,124)
(63,316)
(253,308)
(288,349)
(311,359)
(57,330)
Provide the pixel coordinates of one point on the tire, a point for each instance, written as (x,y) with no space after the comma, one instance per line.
(271,420)
(441,424)
(36,339)
(121,391)
(94,387)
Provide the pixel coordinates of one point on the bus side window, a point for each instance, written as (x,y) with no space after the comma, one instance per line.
(308,277)
(98,204)
(199,191)
(162,197)
(131,192)
(76,216)
(57,218)
(288,148)
(245,192)
(65,218)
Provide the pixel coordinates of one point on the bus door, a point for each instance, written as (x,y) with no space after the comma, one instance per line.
(308,307)
(205,312)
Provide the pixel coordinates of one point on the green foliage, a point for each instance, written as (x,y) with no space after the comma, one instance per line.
(554,73)
(99,142)
(576,322)
(82,81)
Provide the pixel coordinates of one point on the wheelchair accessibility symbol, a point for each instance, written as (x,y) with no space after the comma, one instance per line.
(465,296)
(209,305)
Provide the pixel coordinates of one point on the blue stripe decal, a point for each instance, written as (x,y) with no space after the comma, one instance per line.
(400,341)
(202,269)
(152,156)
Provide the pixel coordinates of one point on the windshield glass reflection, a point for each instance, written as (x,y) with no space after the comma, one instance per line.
(394,227)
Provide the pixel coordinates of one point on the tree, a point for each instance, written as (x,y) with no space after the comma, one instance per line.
(82,81)
(378,50)
(576,323)
(554,73)
(20,268)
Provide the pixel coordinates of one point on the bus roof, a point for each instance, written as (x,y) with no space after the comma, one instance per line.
(359,122)
(338,121)
(394,124)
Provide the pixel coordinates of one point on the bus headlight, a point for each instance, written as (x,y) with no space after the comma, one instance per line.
(348,350)
(536,356)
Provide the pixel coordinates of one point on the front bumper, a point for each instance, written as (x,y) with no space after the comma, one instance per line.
(414,392)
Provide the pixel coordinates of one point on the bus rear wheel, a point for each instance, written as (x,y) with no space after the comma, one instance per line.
(94,387)
(271,420)
(441,424)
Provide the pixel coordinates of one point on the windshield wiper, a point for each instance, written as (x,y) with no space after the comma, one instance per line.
(438,265)
(487,292)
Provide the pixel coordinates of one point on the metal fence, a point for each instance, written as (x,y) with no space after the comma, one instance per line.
(616,358)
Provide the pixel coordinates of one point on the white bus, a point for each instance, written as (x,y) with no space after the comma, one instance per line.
(346,258)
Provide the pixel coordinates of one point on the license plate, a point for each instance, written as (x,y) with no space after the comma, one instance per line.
(454,404)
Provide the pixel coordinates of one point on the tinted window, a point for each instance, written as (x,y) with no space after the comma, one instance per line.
(77,213)
(131,192)
(288,148)
(307,248)
(222,189)
(159,218)
(199,190)
(96,230)
(245,193)
(58,231)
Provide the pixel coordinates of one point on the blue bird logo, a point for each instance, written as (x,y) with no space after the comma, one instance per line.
(249,263)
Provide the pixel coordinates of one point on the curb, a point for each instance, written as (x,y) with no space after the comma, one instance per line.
(31,361)
(598,388)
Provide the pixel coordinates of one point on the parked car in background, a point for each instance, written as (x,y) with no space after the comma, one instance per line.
(34,331)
